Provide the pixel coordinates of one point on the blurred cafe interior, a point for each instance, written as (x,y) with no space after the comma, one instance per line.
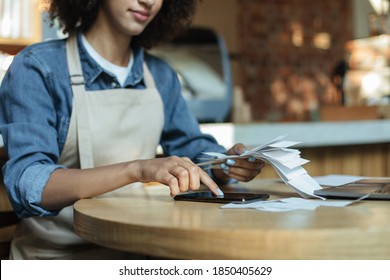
(318,71)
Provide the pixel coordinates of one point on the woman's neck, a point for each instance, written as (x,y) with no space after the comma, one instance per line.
(109,43)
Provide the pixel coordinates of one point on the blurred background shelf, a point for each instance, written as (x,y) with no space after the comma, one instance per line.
(350,113)
(20,24)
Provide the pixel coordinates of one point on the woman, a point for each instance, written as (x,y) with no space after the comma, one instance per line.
(83,116)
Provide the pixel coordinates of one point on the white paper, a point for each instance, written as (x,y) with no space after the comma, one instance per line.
(335,180)
(304,185)
(286,161)
(289,204)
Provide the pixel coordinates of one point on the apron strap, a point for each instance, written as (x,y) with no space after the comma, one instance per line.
(81,116)
(148,78)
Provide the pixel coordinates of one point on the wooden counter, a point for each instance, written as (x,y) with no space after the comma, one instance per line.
(360,148)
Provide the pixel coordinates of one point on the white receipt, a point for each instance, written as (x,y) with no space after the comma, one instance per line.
(289,204)
(335,180)
(286,161)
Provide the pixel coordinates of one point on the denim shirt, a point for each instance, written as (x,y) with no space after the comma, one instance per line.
(36,106)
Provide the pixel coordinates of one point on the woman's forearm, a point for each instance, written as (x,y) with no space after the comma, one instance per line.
(66,186)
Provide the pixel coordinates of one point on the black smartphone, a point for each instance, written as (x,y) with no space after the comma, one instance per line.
(229,197)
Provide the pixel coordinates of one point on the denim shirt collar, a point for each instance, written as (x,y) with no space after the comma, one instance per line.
(93,71)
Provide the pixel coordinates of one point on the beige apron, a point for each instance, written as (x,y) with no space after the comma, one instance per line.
(106,127)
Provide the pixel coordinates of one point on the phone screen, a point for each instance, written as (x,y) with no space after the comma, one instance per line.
(229,197)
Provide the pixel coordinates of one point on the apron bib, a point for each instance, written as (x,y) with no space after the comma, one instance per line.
(106,127)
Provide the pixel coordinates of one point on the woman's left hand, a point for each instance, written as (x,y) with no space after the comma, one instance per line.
(241,169)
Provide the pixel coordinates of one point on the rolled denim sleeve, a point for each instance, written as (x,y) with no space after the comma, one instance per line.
(30,186)
(28,122)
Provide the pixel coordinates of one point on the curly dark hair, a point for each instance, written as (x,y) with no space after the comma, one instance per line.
(174,16)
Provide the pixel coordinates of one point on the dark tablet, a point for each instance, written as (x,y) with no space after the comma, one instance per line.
(229,197)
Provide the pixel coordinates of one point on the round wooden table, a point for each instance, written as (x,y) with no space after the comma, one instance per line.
(150,222)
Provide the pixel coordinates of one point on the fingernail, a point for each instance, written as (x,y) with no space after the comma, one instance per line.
(251,159)
(220,193)
(230,162)
(225,167)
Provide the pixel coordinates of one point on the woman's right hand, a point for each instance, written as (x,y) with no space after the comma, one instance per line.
(180,174)
(66,186)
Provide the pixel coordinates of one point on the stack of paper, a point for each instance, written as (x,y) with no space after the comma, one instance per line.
(286,161)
